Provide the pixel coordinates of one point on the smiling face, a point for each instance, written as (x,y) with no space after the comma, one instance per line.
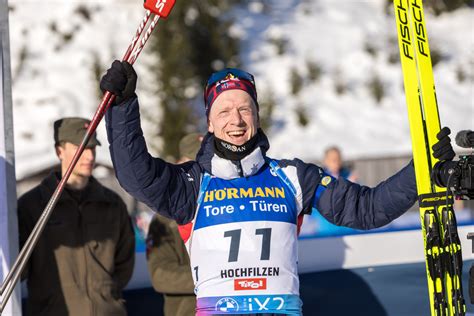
(233,117)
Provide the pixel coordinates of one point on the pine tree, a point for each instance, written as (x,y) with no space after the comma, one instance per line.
(191,44)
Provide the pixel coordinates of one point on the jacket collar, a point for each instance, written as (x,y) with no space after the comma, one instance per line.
(94,190)
(228,169)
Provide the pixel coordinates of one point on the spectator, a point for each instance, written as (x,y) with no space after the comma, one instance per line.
(85,255)
(333,165)
(168,261)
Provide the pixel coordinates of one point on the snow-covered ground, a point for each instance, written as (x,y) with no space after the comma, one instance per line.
(55,47)
(334,34)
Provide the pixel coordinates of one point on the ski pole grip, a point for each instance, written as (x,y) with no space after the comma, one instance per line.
(159,7)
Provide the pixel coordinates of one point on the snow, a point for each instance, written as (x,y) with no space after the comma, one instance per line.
(55,79)
(334,34)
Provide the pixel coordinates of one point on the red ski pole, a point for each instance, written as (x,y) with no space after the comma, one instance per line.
(159,7)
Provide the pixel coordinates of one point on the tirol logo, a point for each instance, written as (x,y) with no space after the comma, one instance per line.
(250,284)
(227,305)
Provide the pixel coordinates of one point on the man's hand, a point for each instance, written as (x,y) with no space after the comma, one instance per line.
(443,150)
(120,80)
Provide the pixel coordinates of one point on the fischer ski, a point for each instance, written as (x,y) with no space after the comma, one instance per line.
(438,221)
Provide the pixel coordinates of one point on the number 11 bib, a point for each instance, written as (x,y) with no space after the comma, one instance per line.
(243,248)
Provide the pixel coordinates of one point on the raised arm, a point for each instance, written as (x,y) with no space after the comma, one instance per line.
(168,189)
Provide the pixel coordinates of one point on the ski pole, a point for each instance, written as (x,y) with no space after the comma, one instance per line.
(161,9)
(42,218)
(132,45)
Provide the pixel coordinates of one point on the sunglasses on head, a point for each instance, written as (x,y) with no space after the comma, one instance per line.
(223,74)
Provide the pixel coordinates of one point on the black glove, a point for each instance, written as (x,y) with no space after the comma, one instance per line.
(443,150)
(120,80)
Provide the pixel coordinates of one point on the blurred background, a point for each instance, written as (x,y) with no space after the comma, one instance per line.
(327,73)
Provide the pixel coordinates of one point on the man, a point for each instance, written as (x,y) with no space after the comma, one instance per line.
(332,164)
(85,255)
(243,207)
(168,261)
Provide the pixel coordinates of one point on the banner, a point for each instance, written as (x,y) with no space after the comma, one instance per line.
(8,219)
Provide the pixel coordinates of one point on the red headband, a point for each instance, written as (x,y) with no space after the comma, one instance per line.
(229,83)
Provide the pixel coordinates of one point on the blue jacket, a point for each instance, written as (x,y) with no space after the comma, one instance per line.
(172,190)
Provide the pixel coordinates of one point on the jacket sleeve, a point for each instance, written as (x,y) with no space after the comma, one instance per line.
(168,189)
(167,274)
(167,260)
(125,249)
(352,205)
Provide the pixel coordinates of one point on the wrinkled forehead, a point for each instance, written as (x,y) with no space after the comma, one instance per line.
(232,98)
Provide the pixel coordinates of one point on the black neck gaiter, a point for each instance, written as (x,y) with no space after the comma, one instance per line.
(233,152)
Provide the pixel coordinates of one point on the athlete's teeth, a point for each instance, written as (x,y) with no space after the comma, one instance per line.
(236,133)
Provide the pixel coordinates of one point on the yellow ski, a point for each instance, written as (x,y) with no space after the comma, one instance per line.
(442,245)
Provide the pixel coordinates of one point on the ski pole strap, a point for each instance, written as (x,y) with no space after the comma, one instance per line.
(434,199)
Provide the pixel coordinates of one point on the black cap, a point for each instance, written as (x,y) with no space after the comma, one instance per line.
(72,130)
